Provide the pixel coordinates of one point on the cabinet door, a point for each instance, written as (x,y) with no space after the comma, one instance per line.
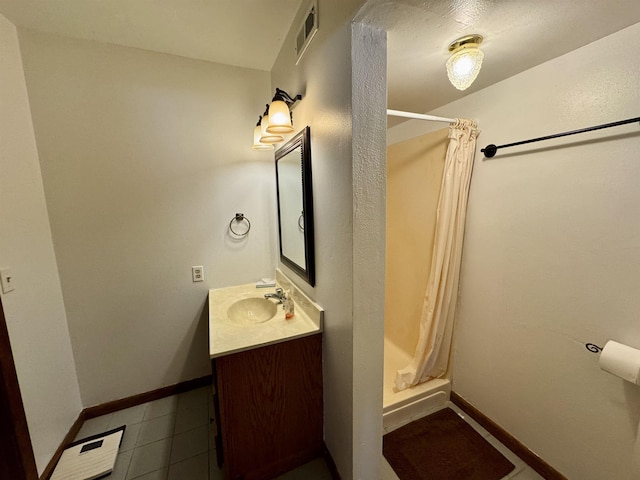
(271,408)
(217,433)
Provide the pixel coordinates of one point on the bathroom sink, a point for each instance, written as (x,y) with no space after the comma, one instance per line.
(250,311)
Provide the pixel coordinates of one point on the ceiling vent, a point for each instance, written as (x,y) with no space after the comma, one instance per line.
(307,30)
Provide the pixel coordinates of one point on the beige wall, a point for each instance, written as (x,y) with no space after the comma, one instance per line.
(146,158)
(34,310)
(343,214)
(552,259)
(414,177)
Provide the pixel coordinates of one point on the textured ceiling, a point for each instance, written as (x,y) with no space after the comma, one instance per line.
(245,33)
(518,34)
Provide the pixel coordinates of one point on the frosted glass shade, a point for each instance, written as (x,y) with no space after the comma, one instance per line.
(257,144)
(265,136)
(464,65)
(279,118)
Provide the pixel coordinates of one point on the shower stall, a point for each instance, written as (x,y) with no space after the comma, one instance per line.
(414,175)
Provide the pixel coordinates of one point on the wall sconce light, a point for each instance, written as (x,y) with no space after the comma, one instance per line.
(276,120)
(279,114)
(265,136)
(466,59)
(257,133)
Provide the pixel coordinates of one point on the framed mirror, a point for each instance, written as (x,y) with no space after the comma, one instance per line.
(295,205)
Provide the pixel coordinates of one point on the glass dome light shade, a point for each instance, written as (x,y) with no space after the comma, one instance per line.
(279,118)
(464,65)
(257,145)
(266,137)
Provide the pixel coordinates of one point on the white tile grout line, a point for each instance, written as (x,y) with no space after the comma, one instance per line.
(479,429)
(520,465)
(135,446)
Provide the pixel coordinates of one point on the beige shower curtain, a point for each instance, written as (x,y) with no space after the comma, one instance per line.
(431,357)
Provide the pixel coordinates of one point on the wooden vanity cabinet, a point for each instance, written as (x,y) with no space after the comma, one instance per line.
(268,402)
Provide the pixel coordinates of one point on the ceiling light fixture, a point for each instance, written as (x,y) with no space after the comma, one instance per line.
(276,121)
(466,59)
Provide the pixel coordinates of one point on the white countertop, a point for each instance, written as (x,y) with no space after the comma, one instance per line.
(226,337)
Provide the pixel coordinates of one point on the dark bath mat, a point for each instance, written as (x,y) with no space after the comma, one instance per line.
(442,446)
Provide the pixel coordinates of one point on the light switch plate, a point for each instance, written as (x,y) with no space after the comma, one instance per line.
(7,280)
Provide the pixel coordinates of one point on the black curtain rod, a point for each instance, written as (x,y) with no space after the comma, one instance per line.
(490,150)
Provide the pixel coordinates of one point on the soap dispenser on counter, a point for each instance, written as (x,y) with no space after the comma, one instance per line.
(287,305)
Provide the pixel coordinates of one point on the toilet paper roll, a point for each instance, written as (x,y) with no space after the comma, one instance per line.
(622,361)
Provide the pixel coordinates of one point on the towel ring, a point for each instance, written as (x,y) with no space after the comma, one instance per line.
(240,218)
(301,221)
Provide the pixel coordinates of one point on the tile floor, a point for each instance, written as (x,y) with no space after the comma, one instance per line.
(521,472)
(172,439)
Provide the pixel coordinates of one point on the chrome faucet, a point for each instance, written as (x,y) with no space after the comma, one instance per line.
(279,295)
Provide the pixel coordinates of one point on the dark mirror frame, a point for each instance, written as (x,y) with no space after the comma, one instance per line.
(301,140)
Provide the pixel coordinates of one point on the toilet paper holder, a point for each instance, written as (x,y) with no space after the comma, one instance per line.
(620,360)
(592,347)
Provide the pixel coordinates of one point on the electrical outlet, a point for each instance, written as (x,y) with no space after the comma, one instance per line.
(197,273)
(7,280)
